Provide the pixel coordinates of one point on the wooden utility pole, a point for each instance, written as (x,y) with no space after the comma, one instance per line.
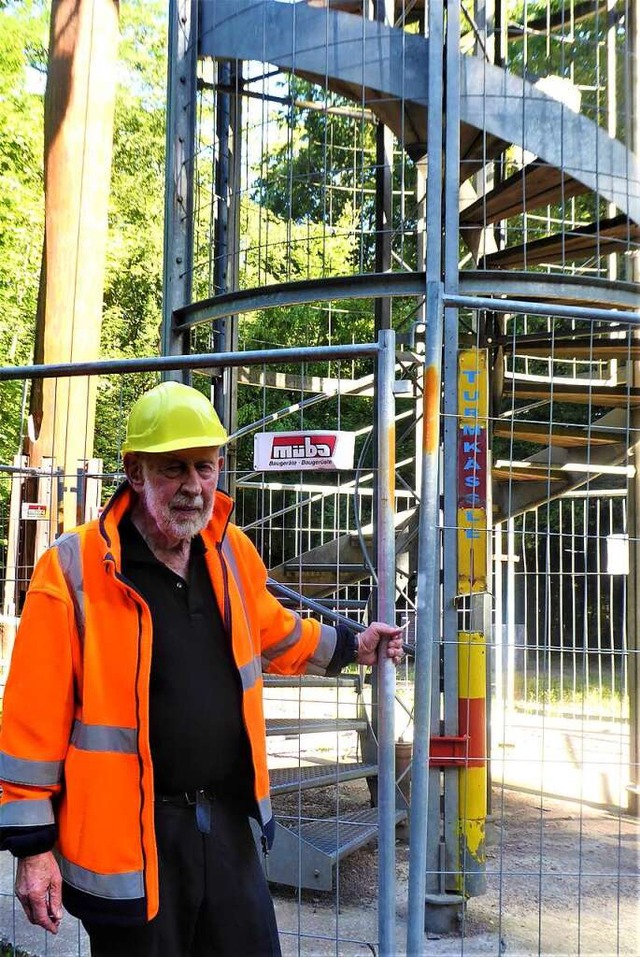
(79,108)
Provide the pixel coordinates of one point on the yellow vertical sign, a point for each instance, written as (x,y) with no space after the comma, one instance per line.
(473,477)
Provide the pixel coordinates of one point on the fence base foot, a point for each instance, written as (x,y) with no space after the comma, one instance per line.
(443,913)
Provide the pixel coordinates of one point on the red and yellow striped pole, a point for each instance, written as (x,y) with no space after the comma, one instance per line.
(472,778)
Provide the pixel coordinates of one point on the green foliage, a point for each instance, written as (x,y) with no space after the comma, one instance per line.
(133,282)
(573,50)
(7,949)
(318,150)
(23,36)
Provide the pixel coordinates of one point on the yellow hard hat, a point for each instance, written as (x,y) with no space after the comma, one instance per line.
(170,417)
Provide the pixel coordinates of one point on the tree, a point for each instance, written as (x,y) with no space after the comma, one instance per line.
(133,277)
(78,136)
(133,282)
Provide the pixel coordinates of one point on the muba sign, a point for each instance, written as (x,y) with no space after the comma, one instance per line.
(293,451)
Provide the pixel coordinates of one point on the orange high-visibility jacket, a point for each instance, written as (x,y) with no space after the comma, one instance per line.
(75,765)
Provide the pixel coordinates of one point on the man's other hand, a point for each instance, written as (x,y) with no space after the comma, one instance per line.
(39,890)
(370,638)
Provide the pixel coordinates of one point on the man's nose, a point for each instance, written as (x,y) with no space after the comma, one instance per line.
(191,480)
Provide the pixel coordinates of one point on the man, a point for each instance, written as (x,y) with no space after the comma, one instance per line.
(133,737)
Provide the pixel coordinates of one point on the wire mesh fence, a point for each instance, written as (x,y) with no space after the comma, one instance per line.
(312,226)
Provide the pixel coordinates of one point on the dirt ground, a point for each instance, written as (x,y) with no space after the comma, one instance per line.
(562,879)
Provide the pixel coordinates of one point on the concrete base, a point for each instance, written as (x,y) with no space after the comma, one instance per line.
(443,913)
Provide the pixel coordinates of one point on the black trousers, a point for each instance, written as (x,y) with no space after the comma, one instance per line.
(214,898)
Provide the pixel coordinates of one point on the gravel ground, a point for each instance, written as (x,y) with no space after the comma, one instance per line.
(562,879)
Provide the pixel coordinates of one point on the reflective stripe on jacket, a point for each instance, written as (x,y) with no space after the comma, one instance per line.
(75,764)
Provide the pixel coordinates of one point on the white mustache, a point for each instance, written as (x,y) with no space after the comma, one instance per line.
(186,501)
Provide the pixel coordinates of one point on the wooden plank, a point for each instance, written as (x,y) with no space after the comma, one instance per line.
(516,474)
(264,378)
(585,348)
(615,396)
(537,184)
(563,436)
(608,236)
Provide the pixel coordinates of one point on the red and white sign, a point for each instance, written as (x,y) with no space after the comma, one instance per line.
(35,511)
(293,451)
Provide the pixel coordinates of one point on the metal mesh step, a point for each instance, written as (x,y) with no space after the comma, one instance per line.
(287,780)
(296,726)
(338,837)
(305,856)
(311,681)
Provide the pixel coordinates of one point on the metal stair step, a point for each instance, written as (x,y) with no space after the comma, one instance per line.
(295,726)
(288,780)
(614,396)
(558,434)
(338,837)
(298,565)
(312,681)
(587,348)
(601,238)
(535,185)
(305,855)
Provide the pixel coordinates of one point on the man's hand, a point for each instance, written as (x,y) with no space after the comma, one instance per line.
(370,638)
(39,890)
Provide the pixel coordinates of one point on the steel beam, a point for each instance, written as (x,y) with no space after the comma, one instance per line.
(386,596)
(477,289)
(206,360)
(178,205)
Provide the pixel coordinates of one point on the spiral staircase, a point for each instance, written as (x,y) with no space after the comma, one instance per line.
(562,394)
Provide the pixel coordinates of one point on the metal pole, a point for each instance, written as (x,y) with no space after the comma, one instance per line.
(179,171)
(457,859)
(386,564)
(224,381)
(553,309)
(230,375)
(511,617)
(633,593)
(427,601)
(384,10)
(197,360)
(427,633)
(498,632)
(428,577)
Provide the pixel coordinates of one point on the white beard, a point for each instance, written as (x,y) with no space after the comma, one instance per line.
(173,523)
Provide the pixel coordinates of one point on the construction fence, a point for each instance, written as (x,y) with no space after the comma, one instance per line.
(530,843)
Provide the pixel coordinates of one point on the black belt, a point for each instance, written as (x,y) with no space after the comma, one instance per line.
(201,800)
(187,798)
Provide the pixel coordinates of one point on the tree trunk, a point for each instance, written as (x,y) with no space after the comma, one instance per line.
(79,108)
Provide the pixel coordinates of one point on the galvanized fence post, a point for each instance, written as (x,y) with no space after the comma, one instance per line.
(428,572)
(427,633)
(385,546)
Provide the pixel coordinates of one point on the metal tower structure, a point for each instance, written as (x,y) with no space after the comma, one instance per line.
(465,174)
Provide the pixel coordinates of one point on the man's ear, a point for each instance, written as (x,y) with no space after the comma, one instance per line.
(133,469)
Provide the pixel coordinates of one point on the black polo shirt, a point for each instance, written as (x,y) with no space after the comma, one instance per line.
(197,734)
